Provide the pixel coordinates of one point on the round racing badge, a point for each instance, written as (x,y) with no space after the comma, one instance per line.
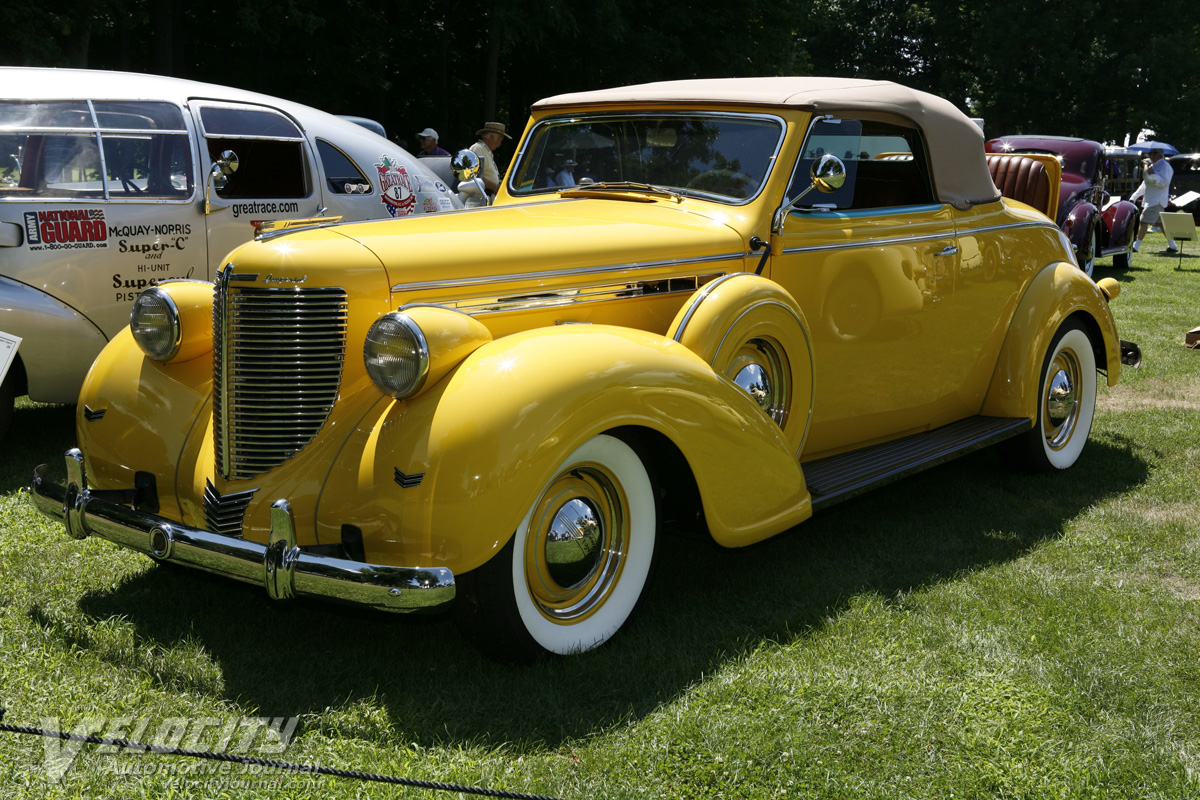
(396,188)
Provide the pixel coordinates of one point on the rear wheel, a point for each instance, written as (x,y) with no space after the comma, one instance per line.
(1066,405)
(1121,260)
(575,570)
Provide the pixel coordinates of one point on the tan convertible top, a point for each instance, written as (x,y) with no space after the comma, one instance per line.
(956,154)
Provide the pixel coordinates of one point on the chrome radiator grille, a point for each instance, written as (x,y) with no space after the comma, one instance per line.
(277,364)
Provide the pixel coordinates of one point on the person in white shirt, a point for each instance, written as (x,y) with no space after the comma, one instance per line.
(1156,193)
(566,176)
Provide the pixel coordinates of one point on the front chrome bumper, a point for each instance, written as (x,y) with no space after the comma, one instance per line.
(280,566)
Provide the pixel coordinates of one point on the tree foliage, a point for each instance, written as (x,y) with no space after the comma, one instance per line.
(1065,68)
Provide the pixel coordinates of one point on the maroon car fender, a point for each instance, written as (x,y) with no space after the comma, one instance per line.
(1120,225)
(1078,224)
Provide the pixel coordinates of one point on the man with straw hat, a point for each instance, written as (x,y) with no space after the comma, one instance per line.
(491,136)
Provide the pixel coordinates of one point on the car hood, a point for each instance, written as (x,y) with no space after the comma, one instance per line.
(544,243)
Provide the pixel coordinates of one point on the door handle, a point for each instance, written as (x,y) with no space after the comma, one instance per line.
(948,250)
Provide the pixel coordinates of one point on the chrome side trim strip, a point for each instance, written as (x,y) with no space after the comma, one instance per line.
(923,238)
(633,267)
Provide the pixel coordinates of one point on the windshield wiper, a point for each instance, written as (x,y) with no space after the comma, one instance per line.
(624,186)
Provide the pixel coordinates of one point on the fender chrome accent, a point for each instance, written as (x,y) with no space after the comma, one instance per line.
(708,289)
(280,567)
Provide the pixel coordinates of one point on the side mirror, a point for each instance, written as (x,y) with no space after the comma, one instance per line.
(470,188)
(465,165)
(218,176)
(827,173)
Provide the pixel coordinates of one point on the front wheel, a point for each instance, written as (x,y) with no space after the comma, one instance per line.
(1066,405)
(1121,260)
(1087,255)
(575,570)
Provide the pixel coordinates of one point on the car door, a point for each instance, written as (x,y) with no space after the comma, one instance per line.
(274,177)
(875,268)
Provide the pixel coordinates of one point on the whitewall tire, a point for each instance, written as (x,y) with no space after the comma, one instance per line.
(578,564)
(1066,405)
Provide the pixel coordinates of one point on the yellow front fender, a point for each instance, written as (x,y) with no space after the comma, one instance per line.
(448,475)
(1059,291)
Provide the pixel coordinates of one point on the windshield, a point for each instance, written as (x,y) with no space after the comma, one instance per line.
(722,157)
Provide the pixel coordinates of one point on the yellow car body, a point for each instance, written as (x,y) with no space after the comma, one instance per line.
(593,359)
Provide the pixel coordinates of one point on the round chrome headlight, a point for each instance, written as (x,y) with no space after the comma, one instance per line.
(397,355)
(154,323)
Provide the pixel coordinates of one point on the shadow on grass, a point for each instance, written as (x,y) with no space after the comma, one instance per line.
(39,434)
(706,608)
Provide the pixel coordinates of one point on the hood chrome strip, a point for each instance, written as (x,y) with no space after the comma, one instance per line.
(631,267)
(579,294)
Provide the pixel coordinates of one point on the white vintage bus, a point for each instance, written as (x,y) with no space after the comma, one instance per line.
(112,182)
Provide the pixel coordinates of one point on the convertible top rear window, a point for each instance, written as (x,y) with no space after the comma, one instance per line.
(722,156)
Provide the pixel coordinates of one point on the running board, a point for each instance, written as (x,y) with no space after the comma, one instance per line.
(836,478)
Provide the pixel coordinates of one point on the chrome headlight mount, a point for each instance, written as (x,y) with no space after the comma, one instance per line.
(154,322)
(396,354)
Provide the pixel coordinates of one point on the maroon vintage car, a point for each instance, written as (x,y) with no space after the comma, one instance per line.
(1096,224)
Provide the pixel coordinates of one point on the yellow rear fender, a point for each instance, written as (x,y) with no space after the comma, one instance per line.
(1059,291)
(752,331)
(449,474)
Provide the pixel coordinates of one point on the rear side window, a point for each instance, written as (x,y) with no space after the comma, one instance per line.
(130,150)
(342,175)
(269,147)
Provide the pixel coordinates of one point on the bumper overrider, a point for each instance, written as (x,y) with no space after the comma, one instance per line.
(280,566)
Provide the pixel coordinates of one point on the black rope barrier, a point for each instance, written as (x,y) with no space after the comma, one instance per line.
(310,769)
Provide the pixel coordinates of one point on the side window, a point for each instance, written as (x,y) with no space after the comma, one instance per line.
(146,150)
(342,176)
(886,166)
(94,149)
(269,147)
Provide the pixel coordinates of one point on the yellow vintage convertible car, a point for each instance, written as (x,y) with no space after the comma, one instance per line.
(751,298)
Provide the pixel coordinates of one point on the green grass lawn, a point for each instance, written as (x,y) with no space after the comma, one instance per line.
(969,632)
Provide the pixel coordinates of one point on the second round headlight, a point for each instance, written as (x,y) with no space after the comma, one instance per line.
(397,355)
(154,322)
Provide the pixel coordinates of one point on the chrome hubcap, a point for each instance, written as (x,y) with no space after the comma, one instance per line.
(754,381)
(573,543)
(761,370)
(577,541)
(1060,408)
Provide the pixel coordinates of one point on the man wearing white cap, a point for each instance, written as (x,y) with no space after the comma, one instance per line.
(428,140)
(1156,191)
(491,136)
